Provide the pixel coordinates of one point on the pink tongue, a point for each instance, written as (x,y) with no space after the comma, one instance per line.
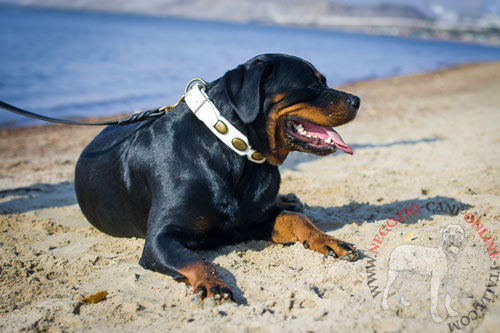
(338,141)
(324,133)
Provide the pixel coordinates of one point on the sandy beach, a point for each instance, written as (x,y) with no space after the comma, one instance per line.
(426,154)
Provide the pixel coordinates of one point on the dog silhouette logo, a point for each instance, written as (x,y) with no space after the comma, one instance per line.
(429,261)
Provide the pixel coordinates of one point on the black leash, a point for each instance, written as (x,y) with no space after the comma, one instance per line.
(136,117)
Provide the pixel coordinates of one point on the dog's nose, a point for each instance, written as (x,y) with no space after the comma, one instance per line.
(353,102)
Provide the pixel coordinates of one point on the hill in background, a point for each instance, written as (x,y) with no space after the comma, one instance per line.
(427,19)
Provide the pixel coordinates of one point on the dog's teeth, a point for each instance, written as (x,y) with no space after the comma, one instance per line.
(298,127)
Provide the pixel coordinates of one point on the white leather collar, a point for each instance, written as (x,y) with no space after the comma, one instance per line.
(198,101)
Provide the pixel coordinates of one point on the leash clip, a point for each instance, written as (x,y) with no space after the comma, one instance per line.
(169,108)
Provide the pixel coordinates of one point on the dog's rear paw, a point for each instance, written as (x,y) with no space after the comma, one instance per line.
(215,289)
(290,202)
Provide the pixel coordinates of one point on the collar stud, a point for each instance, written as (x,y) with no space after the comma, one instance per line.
(221,127)
(257,156)
(239,144)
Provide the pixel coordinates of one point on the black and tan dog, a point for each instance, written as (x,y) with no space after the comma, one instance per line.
(174,183)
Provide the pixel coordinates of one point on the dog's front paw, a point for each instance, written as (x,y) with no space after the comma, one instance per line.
(215,289)
(290,202)
(331,246)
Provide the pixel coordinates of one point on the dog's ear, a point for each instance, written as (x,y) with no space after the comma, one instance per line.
(243,88)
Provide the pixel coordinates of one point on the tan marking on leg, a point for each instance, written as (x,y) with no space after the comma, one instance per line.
(201,270)
(294,227)
(203,274)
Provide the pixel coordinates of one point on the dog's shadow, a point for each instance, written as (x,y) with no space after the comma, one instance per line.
(37,196)
(406,211)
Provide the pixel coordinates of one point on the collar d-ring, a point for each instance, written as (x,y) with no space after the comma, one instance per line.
(201,82)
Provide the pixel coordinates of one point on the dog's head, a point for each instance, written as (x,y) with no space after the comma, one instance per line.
(452,238)
(288,106)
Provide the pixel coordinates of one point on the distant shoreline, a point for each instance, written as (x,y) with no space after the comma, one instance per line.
(417,29)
